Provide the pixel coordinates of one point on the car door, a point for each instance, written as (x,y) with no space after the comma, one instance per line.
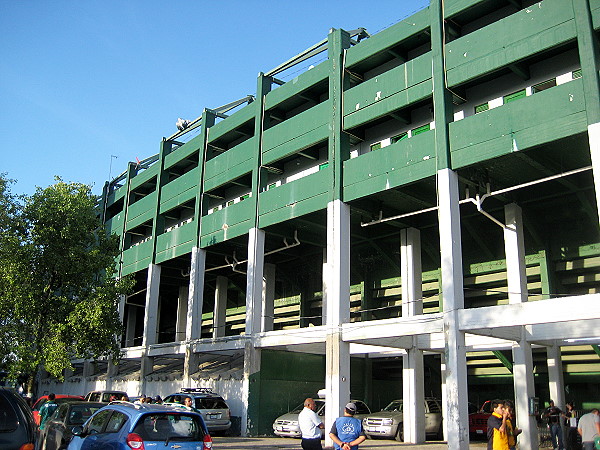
(54,426)
(433,416)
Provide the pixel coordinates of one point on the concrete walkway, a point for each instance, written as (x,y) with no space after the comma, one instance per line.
(271,443)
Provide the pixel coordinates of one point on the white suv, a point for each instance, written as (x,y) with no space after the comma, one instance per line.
(389,422)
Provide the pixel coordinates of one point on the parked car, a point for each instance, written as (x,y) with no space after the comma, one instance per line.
(104,396)
(212,406)
(478,420)
(57,432)
(59,398)
(125,426)
(286,425)
(17,428)
(390,421)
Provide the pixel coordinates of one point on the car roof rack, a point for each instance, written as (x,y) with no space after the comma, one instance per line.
(201,390)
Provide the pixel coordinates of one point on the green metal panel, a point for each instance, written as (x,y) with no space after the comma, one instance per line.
(230,165)
(180,187)
(176,242)
(238,118)
(138,211)
(524,33)
(137,257)
(184,151)
(401,163)
(298,84)
(297,143)
(595,10)
(114,225)
(382,107)
(548,115)
(387,38)
(144,176)
(387,84)
(294,199)
(117,195)
(227,223)
(452,7)
(179,199)
(294,129)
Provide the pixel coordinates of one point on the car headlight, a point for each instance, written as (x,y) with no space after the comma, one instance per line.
(387,422)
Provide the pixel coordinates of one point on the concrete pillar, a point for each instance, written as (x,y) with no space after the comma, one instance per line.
(151,313)
(337,285)
(413,388)
(555,376)
(254,281)
(146,368)
(444,395)
(453,296)
(87,373)
(594,140)
(268,298)
(514,247)
(254,298)
(193,320)
(324,288)
(182,306)
(220,312)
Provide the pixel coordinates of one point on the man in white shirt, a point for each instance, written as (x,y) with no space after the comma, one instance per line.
(589,428)
(310,426)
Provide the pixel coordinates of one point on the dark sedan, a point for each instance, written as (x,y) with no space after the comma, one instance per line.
(57,432)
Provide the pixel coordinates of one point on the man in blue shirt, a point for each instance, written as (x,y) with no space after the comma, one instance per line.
(347,432)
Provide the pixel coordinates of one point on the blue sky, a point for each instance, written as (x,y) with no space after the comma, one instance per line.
(83,80)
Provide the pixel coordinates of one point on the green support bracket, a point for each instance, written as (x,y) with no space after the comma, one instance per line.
(596,349)
(503,359)
(208,120)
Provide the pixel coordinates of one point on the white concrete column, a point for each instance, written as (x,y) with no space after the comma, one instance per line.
(182,306)
(514,247)
(324,288)
(122,299)
(413,388)
(254,280)
(524,390)
(193,322)
(336,282)
(193,319)
(146,368)
(87,373)
(594,140)
(555,376)
(220,312)
(268,298)
(444,395)
(151,313)
(457,421)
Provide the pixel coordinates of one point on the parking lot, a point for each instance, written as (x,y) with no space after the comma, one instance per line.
(271,443)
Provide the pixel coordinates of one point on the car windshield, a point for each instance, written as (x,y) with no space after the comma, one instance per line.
(320,404)
(171,426)
(395,406)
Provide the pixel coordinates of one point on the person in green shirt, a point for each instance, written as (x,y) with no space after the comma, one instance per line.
(47,410)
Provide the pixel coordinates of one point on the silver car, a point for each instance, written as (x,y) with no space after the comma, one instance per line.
(211,406)
(287,424)
(389,422)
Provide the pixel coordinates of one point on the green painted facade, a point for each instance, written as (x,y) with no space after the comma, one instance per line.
(372,125)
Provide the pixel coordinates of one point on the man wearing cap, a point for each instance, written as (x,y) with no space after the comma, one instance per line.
(347,432)
(310,426)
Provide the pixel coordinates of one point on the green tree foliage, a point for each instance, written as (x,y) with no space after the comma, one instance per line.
(58,294)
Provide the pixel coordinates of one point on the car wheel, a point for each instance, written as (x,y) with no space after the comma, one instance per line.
(400,433)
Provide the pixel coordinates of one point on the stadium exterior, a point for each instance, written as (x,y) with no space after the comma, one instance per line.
(415,215)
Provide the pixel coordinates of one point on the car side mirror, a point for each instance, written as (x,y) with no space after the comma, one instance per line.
(77,431)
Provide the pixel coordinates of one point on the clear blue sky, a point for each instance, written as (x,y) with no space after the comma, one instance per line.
(83,80)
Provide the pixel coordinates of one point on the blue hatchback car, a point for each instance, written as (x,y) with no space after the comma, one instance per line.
(126,426)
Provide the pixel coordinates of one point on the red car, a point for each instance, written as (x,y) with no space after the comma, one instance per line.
(60,398)
(478,420)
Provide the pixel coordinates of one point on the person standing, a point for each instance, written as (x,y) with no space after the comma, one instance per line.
(511,430)
(589,428)
(310,426)
(347,432)
(571,427)
(47,410)
(552,414)
(496,427)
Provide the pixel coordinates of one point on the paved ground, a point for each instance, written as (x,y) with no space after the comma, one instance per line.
(269,443)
